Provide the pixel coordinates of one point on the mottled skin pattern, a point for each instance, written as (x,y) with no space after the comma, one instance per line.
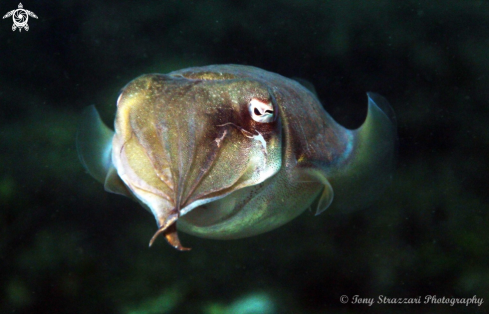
(309,136)
(187,148)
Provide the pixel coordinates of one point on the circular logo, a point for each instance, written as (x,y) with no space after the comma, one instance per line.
(20,18)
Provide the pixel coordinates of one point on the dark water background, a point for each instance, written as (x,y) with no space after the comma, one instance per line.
(66,246)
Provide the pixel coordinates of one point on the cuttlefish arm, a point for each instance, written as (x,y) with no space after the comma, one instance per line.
(94,146)
(168,228)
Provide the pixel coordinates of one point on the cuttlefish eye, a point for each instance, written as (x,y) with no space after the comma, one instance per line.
(261,111)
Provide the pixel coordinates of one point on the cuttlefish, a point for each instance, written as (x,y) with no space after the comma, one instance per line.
(231,151)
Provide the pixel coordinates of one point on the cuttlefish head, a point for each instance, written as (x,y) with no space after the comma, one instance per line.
(186,139)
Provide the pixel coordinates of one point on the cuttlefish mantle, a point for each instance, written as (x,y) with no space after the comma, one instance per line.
(230,151)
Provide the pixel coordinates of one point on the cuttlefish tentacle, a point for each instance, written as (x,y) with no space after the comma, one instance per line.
(168,227)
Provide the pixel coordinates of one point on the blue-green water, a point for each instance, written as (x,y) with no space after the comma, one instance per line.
(67,246)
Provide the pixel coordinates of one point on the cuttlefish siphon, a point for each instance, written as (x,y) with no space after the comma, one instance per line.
(231,151)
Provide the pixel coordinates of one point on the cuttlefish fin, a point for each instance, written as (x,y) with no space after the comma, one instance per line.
(94,144)
(365,171)
(168,227)
(94,147)
(327,194)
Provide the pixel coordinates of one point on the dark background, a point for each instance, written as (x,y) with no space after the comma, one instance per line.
(66,246)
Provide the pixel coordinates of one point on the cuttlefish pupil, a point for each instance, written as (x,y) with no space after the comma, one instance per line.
(230,151)
(261,111)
